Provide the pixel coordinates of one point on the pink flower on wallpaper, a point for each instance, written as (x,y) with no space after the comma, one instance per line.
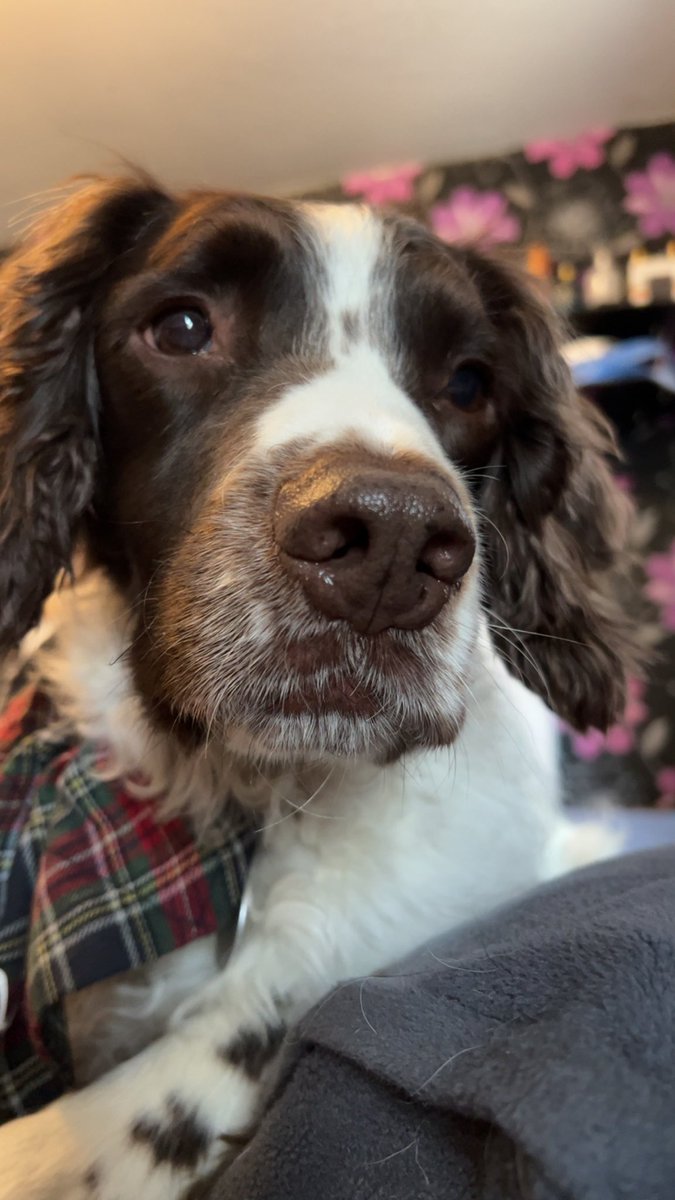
(620,738)
(660,586)
(566,155)
(385,185)
(650,196)
(471,216)
(665,782)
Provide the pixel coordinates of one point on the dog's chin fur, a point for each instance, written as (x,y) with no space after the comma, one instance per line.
(77,655)
(333,738)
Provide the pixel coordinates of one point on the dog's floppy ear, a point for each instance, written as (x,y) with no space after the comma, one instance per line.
(557,524)
(49,288)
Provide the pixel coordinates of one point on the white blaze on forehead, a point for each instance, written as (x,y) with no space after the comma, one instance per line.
(357,395)
(350,241)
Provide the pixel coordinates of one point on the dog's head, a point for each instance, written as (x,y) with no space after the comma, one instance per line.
(310,445)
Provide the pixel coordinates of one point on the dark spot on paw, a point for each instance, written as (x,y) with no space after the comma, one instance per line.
(178,1139)
(253,1049)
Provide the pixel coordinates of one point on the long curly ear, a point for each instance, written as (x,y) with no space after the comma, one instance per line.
(49,288)
(557,525)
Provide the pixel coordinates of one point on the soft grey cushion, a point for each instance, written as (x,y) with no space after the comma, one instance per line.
(530,1055)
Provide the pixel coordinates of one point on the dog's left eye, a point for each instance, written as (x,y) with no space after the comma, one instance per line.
(181,331)
(468,388)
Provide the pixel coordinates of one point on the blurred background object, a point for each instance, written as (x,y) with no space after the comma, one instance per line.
(540,130)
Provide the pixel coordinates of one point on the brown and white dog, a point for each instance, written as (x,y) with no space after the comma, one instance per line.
(343,521)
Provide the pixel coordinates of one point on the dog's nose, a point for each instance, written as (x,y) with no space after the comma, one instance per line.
(379,548)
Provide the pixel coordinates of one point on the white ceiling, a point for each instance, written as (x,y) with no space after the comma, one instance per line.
(280,94)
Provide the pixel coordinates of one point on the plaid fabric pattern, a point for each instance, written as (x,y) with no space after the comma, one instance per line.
(91,885)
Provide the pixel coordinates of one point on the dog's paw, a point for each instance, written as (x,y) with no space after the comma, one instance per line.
(58,1155)
(152,1127)
(158,1155)
(149,1129)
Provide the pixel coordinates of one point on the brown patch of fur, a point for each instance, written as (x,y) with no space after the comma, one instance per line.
(178,1141)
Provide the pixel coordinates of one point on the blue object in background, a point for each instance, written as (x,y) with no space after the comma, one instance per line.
(636,359)
(638,828)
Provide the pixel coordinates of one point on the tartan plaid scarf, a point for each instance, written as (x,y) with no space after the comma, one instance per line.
(91,885)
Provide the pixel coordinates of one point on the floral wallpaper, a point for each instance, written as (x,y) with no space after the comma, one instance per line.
(609,187)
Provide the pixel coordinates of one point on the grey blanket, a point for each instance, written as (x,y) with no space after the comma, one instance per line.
(531,1055)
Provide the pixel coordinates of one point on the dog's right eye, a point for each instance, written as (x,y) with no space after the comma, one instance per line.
(180,331)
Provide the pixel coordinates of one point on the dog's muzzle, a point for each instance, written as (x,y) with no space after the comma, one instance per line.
(380,547)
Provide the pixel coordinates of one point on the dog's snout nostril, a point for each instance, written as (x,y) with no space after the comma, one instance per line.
(317,536)
(351,537)
(447,557)
(379,548)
